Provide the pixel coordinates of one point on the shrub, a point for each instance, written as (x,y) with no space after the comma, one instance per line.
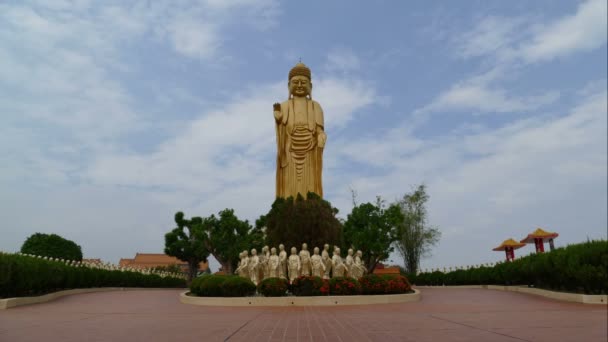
(579,268)
(53,246)
(26,276)
(209,285)
(235,286)
(344,286)
(273,287)
(309,286)
(396,284)
(373,284)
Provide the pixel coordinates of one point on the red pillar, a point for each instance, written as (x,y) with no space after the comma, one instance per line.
(540,246)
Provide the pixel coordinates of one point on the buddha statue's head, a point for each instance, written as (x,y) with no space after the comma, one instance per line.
(350,251)
(316,250)
(281,247)
(293,250)
(254,252)
(304,246)
(273,251)
(300,84)
(326,247)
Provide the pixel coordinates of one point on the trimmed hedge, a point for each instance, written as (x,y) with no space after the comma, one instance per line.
(309,286)
(344,286)
(396,284)
(222,286)
(273,287)
(26,276)
(578,268)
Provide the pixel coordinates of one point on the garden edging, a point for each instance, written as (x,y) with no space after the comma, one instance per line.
(7,303)
(563,296)
(301,301)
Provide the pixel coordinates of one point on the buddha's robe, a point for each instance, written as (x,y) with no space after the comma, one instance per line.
(299,156)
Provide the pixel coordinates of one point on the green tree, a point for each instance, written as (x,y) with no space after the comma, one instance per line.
(53,246)
(415,236)
(293,222)
(226,236)
(372,229)
(187,242)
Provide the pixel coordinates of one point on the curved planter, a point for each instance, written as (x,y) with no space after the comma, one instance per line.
(300,301)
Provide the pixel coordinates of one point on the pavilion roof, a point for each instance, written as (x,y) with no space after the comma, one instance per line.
(509,243)
(539,233)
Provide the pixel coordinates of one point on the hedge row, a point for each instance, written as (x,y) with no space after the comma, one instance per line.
(26,276)
(234,286)
(222,286)
(578,268)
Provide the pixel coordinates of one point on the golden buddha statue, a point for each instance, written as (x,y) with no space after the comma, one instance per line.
(300,138)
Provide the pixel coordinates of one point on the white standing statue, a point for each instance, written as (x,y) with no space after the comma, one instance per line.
(318,268)
(282,262)
(349,263)
(273,264)
(358,267)
(293,265)
(243,269)
(254,268)
(337,264)
(263,273)
(326,261)
(305,260)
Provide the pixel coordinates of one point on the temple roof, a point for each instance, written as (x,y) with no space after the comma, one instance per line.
(539,234)
(509,243)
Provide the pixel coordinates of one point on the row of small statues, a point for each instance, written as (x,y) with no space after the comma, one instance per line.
(270,264)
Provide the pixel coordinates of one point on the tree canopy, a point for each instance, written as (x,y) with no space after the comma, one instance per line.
(372,228)
(187,242)
(226,236)
(415,236)
(53,246)
(295,221)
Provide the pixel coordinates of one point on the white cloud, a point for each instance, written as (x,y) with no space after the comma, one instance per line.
(521,38)
(479,96)
(585,30)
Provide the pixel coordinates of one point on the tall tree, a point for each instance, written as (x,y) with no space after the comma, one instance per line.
(415,236)
(226,236)
(372,228)
(187,242)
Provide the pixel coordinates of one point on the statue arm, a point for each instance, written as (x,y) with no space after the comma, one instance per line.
(277,111)
(320,123)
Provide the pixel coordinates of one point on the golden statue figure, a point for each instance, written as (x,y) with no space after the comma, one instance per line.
(300,138)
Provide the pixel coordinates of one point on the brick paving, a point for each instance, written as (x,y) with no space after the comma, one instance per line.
(441,315)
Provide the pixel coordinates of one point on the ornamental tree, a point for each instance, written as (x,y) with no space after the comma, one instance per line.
(187,242)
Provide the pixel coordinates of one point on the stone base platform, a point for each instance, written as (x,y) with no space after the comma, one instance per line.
(300,301)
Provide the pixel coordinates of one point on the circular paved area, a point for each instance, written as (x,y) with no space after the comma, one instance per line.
(441,315)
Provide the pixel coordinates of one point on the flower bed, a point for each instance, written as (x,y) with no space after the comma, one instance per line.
(344,286)
(273,287)
(309,286)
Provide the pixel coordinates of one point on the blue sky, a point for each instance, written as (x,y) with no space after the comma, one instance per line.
(114,115)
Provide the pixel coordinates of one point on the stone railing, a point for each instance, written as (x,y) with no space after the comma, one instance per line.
(107,266)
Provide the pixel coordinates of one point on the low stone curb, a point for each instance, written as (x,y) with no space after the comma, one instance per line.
(563,296)
(300,301)
(7,303)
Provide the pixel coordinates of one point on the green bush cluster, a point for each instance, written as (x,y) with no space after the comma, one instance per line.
(222,286)
(52,246)
(373,284)
(26,276)
(309,286)
(273,287)
(344,286)
(579,268)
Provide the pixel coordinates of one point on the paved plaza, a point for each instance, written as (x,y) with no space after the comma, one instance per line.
(441,315)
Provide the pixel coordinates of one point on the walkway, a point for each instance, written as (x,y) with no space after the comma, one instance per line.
(441,315)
